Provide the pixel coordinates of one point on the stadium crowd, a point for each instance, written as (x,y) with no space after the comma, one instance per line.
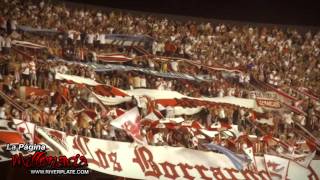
(262,49)
(281,58)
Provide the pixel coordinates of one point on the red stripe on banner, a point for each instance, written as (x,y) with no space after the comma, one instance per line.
(110,55)
(308,94)
(29,46)
(295,109)
(37,139)
(102,90)
(303,91)
(120,111)
(185,102)
(268,86)
(91,113)
(166,102)
(217,68)
(222,68)
(36,91)
(10,137)
(113,58)
(281,92)
(108,91)
(118,92)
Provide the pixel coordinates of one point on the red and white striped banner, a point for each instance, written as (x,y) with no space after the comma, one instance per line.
(27,44)
(118,58)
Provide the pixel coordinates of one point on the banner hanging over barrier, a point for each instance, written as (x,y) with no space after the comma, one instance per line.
(268,103)
(163,162)
(37,30)
(116,67)
(129,40)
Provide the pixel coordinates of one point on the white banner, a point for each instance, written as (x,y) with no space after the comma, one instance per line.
(268,103)
(263,95)
(163,162)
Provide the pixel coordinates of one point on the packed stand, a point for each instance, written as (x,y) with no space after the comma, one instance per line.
(277,57)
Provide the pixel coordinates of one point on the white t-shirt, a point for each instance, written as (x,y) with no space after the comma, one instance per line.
(157,138)
(221,93)
(94,56)
(158,84)
(112,132)
(91,99)
(143,102)
(143,82)
(90,38)
(102,38)
(169,85)
(136,82)
(241,78)
(26,69)
(32,67)
(188,48)
(71,34)
(222,114)
(7,42)
(2,113)
(2,42)
(230,91)
(195,141)
(303,121)
(174,66)
(247,78)
(288,118)
(161,85)
(13,24)
(63,69)
(160,47)
(151,64)
(110,29)
(154,47)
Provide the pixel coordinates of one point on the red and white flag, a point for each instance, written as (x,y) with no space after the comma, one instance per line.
(10,137)
(276,167)
(27,129)
(26,44)
(152,116)
(305,160)
(249,154)
(130,122)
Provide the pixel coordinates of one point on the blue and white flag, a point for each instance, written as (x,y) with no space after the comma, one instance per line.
(237,161)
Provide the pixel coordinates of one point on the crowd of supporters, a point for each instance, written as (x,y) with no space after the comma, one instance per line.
(278,57)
